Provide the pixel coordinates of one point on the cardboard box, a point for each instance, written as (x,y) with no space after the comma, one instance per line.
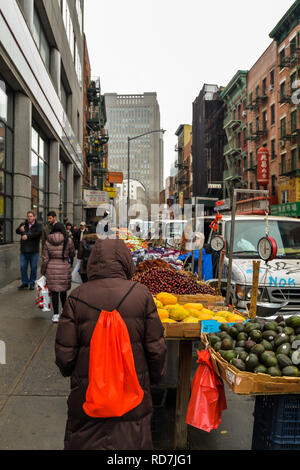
(182,330)
(200,298)
(247,383)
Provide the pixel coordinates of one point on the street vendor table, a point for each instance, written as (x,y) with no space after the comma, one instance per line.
(186,334)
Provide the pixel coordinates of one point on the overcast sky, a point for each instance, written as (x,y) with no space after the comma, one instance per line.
(173,47)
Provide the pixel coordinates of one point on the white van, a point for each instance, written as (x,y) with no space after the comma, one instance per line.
(279,280)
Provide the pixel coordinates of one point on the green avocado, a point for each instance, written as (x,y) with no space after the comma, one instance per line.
(260,368)
(242,336)
(252,326)
(288,330)
(251,362)
(267,345)
(269,335)
(227,344)
(274,371)
(239,364)
(217,346)
(293,321)
(213,339)
(290,371)
(224,327)
(239,326)
(229,355)
(233,332)
(280,339)
(249,344)
(256,335)
(258,349)
(242,355)
(268,359)
(283,360)
(270,325)
(283,349)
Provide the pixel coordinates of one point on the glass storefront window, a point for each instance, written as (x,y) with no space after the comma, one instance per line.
(6,163)
(3,101)
(39,174)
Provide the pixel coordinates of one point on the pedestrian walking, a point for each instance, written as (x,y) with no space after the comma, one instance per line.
(110,269)
(85,248)
(56,267)
(51,221)
(30,231)
(69,230)
(79,234)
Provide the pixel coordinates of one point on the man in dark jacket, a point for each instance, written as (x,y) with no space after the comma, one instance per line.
(30,231)
(110,269)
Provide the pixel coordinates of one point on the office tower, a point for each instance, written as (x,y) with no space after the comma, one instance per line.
(129,116)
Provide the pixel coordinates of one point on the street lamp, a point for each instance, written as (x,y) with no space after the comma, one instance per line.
(128,165)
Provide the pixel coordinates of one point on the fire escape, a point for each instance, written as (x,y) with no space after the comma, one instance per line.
(97,139)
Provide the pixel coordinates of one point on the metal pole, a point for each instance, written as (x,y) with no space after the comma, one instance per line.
(233,210)
(128,180)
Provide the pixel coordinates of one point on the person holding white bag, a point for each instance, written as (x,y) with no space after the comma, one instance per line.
(57,251)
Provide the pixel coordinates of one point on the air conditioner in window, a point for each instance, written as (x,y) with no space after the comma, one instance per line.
(282,143)
(271,88)
(244,114)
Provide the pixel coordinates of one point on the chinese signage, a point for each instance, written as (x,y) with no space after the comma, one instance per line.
(93,198)
(290,209)
(263,166)
(293,188)
(115,177)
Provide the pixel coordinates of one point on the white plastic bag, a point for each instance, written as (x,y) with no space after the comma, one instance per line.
(75,274)
(43,296)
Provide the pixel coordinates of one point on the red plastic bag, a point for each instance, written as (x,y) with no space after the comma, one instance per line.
(113,388)
(208,398)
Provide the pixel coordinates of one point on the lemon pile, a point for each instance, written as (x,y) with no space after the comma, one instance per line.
(170,311)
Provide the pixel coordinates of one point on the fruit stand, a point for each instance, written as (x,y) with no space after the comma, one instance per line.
(183,303)
(262,357)
(176,313)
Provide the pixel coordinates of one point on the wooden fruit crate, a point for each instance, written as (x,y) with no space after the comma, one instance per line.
(248,383)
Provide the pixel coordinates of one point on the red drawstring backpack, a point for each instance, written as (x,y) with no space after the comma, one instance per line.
(113,388)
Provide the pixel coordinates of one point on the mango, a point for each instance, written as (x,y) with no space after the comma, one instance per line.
(163,314)
(166,298)
(190,320)
(193,306)
(168,320)
(178,314)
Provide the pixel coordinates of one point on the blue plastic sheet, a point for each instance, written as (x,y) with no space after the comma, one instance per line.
(207,269)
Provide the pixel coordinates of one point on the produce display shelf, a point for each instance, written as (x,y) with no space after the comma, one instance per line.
(248,383)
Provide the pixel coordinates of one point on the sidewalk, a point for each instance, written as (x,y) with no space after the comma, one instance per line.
(32,391)
(33,394)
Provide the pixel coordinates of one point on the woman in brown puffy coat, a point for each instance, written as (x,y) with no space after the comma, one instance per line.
(57,251)
(110,269)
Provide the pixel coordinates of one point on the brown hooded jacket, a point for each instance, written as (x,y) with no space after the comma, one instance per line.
(110,269)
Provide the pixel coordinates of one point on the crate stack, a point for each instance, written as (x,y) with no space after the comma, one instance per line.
(276,422)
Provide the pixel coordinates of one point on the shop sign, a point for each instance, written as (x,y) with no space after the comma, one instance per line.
(93,198)
(263,166)
(290,209)
(115,177)
(111,191)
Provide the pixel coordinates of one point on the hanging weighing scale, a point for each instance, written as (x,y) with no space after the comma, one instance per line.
(267,251)
(267,248)
(217,243)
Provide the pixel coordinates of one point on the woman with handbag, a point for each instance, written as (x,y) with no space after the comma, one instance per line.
(58,249)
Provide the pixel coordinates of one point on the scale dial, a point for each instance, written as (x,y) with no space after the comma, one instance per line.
(267,248)
(217,243)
